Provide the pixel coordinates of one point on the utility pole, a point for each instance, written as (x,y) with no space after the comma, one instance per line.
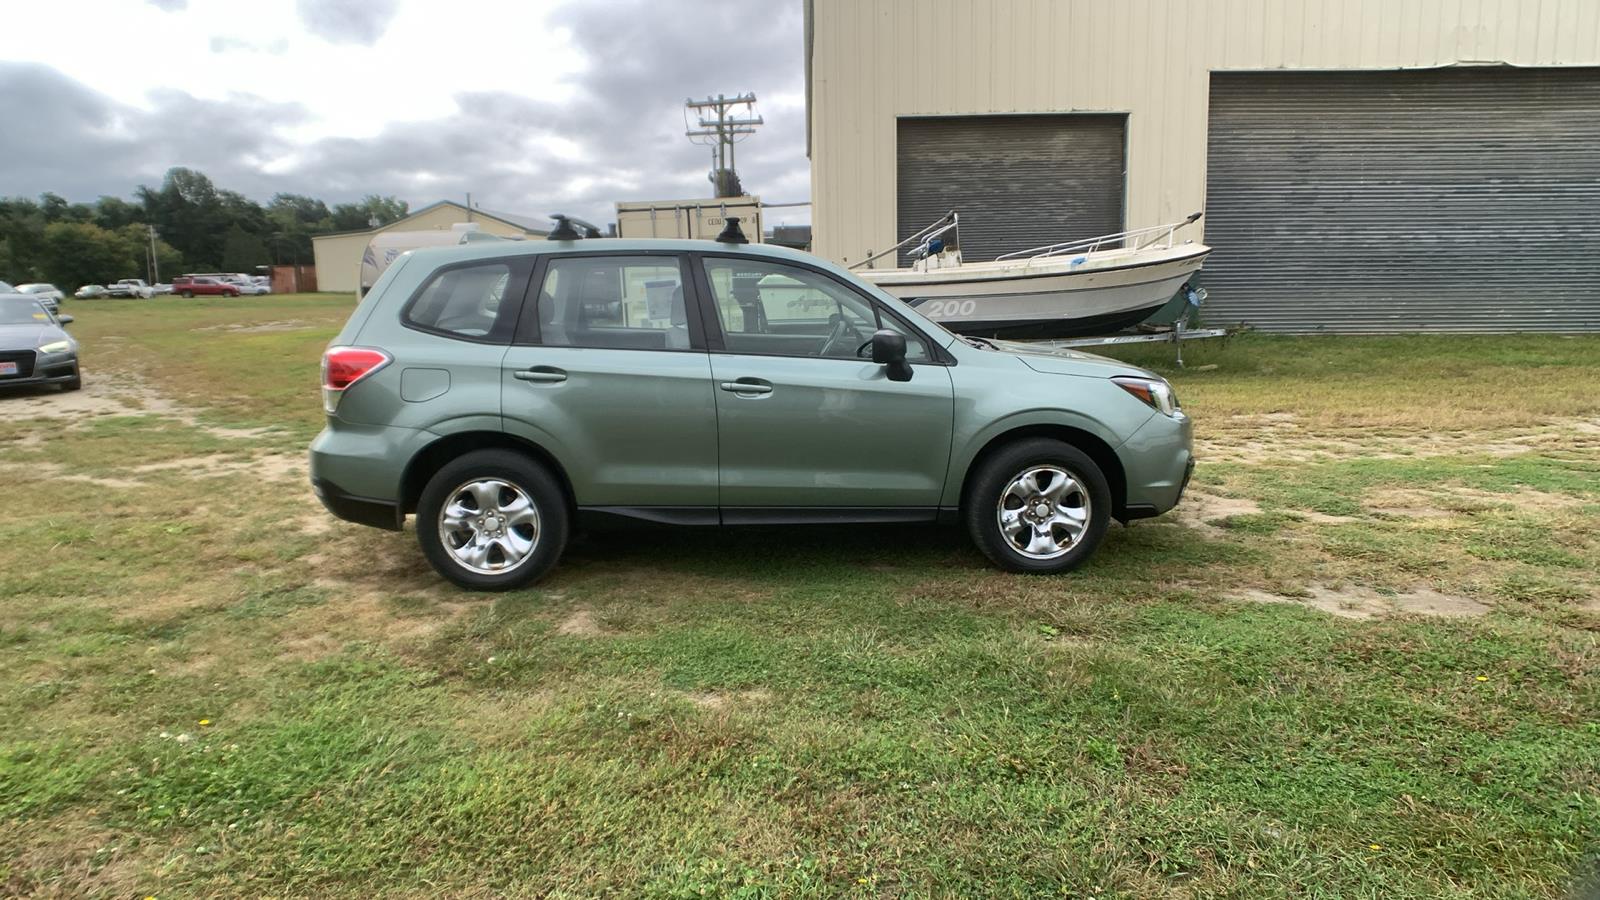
(155,263)
(719,125)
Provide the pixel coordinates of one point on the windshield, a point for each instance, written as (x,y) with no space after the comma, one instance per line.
(22,311)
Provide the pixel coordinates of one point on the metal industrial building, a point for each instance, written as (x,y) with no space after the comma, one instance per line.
(1364,165)
(338,255)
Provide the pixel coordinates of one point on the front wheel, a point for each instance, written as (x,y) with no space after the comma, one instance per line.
(492,520)
(1038,506)
(188,295)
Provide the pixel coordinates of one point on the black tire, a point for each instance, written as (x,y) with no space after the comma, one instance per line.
(188,295)
(995,475)
(75,384)
(522,473)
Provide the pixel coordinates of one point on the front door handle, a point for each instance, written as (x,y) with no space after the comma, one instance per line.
(541,375)
(744,386)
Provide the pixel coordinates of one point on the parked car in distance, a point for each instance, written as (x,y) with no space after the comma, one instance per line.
(34,347)
(502,391)
(91,292)
(203,286)
(249,286)
(47,294)
(131,287)
(161,288)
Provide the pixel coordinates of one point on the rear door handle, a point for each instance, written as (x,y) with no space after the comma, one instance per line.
(747,387)
(541,375)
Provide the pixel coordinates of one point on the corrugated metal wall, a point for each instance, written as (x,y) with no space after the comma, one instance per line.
(874,61)
(1444,200)
(1018,181)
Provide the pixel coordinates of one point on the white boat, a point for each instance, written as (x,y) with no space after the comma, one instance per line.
(1074,289)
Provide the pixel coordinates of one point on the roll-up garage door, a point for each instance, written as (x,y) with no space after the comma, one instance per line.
(1017,181)
(1463,199)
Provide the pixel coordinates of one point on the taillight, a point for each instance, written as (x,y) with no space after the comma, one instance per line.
(344,368)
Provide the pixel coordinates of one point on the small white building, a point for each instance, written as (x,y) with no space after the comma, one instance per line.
(338,255)
(1363,165)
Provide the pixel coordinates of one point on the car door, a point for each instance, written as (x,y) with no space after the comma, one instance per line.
(610,372)
(804,421)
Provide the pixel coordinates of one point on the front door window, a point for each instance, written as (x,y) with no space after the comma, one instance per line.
(775,309)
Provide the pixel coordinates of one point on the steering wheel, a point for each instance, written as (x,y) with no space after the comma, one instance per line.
(841,327)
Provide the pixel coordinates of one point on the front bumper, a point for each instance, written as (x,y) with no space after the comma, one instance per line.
(53,369)
(1158,461)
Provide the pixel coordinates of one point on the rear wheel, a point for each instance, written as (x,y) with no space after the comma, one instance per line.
(1038,506)
(492,520)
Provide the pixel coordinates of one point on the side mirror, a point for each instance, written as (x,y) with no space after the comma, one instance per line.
(889,350)
(65,320)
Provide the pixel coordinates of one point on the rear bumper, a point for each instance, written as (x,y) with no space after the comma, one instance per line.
(352,508)
(357,470)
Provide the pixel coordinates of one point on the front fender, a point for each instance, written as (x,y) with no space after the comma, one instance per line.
(968,445)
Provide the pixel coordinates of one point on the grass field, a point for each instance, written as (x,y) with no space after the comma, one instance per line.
(1361,660)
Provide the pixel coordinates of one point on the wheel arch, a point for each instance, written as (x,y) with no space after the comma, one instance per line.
(425,462)
(1090,443)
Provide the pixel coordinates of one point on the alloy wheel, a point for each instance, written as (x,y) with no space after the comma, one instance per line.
(1043,512)
(489,526)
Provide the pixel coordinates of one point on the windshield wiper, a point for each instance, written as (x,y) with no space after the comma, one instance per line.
(980,343)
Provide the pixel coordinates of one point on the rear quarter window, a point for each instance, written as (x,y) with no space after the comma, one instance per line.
(469,302)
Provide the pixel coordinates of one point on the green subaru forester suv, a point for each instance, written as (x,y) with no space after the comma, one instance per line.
(505,391)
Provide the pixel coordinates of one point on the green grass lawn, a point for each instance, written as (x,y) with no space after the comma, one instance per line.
(215,689)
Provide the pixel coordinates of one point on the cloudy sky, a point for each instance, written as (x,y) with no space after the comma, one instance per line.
(535,106)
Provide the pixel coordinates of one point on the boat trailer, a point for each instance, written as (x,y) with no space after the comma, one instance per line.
(1180,331)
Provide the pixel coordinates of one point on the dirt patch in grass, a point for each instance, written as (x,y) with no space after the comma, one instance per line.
(719,700)
(1206,511)
(360,614)
(275,466)
(258,328)
(272,465)
(57,472)
(1352,601)
(114,393)
(1416,503)
(581,623)
(1284,437)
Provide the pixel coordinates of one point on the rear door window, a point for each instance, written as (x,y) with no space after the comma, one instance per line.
(614,302)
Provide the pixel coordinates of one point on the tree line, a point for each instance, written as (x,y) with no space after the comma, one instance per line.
(198,228)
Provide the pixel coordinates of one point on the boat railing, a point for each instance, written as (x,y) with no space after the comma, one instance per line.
(949,223)
(1138,238)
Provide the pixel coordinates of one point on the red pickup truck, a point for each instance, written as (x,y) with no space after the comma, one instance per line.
(202,285)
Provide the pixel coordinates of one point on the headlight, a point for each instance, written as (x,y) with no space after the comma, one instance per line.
(1153,392)
(56,347)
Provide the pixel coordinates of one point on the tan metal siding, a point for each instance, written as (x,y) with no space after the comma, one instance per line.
(338,259)
(875,60)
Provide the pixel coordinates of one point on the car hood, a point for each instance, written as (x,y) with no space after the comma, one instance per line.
(27,337)
(1066,361)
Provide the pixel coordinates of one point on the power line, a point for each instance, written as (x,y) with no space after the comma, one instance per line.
(719,124)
